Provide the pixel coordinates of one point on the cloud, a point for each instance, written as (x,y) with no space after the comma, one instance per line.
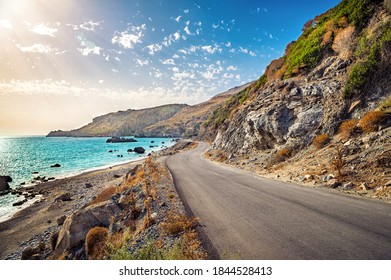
(211,72)
(128,38)
(6,23)
(154,48)
(90,25)
(44,29)
(186,29)
(186,11)
(228,76)
(169,61)
(90,50)
(211,50)
(36,48)
(178,18)
(232,68)
(171,38)
(142,62)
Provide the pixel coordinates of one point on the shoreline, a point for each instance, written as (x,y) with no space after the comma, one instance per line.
(36,221)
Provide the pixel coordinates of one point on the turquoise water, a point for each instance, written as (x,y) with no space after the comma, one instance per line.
(21,156)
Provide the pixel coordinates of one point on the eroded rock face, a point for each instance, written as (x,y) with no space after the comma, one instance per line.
(76,226)
(289,112)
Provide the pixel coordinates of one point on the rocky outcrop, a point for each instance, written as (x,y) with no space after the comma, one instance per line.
(289,112)
(120,140)
(4,180)
(122,123)
(139,150)
(75,227)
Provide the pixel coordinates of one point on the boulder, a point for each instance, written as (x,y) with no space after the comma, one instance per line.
(88,185)
(333,183)
(55,165)
(139,150)
(120,140)
(61,220)
(4,180)
(130,150)
(73,232)
(63,197)
(19,202)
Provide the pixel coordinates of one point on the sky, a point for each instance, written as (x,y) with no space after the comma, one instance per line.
(64,62)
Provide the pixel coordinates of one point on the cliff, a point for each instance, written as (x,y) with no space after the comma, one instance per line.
(321,114)
(122,123)
(187,122)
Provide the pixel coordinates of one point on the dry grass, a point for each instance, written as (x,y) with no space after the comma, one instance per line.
(347,129)
(178,223)
(327,38)
(320,141)
(106,194)
(371,121)
(343,42)
(338,163)
(383,192)
(95,242)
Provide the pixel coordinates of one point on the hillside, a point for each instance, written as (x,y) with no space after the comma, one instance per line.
(323,108)
(122,123)
(187,122)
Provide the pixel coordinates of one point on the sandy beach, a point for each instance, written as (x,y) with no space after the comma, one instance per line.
(35,223)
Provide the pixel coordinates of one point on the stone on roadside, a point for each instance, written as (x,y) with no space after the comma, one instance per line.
(333,183)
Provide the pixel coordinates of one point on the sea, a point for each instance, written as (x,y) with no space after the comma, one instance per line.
(24,158)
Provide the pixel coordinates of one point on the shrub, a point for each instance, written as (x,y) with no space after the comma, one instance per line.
(95,242)
(372,120)
(320,141)
(347,128)
(284,153)
(178,223)
(106,194)
(338,162)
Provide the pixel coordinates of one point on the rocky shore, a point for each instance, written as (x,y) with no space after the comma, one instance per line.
(55,200)
(131,211)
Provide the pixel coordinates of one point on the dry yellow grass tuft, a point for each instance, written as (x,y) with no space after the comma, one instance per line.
(178,223)
(347,128)
(321,140)
(106,194)
(95,242)
(371,121)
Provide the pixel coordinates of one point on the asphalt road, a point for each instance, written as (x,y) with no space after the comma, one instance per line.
(245,216)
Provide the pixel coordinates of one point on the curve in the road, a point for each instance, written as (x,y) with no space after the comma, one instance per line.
(248,217)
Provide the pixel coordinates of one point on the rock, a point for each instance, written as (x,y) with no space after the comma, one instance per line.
(152,141)
(88,185)
(116,176)
(308,177)
(154,215)
(163,204)
(120,156)
(63,197)
(61,220)
(51,178)
(388,184)
(333,183)
(139,150)
(35,172)
(5,192)
(110,151)
(56,165)
(363,187)
(120,140)
(73,232)
(21,202)
(348,186)
(328,177)
(4,180)
(130,150)
(33,253)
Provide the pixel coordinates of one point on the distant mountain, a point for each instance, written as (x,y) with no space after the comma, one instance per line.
(187,122)
(122,123)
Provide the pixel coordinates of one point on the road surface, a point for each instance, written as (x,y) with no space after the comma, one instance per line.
(245,216)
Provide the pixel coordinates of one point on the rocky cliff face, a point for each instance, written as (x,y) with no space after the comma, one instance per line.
(187,122)
(296,105)
(123,123)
